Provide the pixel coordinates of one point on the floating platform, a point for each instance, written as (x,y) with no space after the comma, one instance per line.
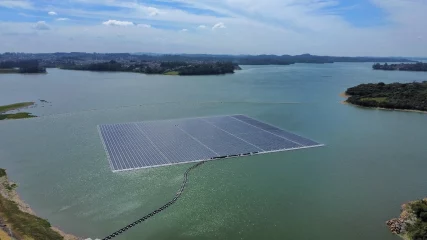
(131,146)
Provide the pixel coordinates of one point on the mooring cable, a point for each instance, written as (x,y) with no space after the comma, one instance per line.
(168,204)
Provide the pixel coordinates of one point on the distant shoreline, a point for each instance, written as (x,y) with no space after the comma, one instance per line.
(414,67)
(344,95)
(3,71)
(162,68)
(170,73)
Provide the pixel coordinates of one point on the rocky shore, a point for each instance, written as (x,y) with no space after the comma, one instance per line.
(410,225)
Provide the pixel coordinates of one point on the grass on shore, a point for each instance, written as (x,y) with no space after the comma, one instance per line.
(4,236)
(25,225)
(172,73)
(15,106)
(378,99)
(16,116)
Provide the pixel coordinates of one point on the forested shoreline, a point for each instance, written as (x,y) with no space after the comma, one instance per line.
(21,66)
(168,68)
(404,96)
(418,67)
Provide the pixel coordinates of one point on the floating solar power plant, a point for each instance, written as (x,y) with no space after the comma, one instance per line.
(149,144)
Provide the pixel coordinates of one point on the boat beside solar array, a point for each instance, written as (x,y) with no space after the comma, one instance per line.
(148,144)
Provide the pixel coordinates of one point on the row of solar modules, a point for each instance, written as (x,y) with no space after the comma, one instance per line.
(150,144)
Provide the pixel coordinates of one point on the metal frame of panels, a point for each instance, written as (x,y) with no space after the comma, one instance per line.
(148,144)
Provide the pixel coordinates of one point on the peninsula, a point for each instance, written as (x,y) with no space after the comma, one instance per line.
(166,68)
(396,96)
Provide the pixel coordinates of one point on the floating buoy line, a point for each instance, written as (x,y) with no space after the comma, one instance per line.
(168,204)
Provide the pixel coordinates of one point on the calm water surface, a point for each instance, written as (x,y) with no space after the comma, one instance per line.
(374,160)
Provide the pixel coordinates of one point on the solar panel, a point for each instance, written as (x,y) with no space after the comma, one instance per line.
(149,144)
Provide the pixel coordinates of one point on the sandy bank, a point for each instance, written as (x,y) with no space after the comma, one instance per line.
(7,192)
(344,95)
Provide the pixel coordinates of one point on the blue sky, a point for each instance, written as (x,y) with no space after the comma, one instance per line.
(332,27)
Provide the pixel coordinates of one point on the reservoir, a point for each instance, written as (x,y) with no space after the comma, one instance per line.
(373,161)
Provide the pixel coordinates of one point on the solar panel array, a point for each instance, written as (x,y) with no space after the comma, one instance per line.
(148,144)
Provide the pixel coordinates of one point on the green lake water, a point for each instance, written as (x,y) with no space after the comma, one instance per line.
(374,160)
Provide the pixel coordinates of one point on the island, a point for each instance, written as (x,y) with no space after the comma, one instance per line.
(396,96)
(418,67)
(16,106)
(21,66)
(17,219)
(166,68)
(412,223)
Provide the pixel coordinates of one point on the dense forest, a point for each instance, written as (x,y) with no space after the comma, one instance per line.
(23,66)
(409,96)
(171,68)
(419,66)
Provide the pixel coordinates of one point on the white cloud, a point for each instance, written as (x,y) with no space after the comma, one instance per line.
(135,6)
(16,4)
(153,11)
(218,25)
(141,25)
(62,19)
(41,25)
(51,13)
(137,11)
(118,23)
(184,30)
(269,26)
